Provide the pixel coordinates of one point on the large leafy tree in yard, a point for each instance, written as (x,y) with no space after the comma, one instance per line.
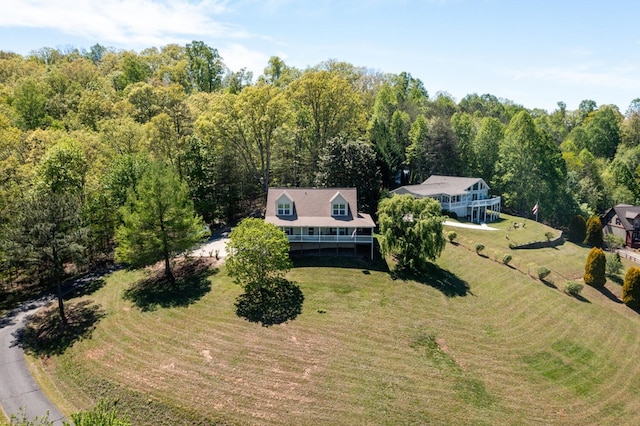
(531,170)
(47,232)
(411,230)
(258,252)
(159,221)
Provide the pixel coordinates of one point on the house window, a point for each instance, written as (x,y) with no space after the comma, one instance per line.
(288,231)
(342,231)
(312,231)
(284,209)
(618,221)
(339,209)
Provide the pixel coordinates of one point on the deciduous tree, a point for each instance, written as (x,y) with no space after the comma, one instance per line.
(411,230)
(258,252)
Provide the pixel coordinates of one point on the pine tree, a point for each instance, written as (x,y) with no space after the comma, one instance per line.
(159,221)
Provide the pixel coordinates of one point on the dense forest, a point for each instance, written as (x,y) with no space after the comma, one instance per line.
(89,123)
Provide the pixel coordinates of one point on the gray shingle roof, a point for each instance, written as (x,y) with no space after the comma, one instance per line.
(312,207)
(435,185)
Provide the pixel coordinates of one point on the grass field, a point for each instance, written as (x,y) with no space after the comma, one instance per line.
(473,342)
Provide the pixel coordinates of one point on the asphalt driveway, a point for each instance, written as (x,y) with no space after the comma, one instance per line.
(18,389)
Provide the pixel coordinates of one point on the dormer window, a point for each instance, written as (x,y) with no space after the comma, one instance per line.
(284,209)
(339,209)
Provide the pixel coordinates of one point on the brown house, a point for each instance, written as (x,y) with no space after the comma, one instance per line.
(316,219)
(623,220)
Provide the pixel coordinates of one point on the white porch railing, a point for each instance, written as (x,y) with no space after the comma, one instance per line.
(358,239)
(487,202)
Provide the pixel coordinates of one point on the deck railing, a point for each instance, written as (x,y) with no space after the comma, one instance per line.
(358,239)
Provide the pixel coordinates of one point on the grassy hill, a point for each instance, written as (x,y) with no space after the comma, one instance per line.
(473,342)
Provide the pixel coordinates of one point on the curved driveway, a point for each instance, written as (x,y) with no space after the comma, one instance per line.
(18,389)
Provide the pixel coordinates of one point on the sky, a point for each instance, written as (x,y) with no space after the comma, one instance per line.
(535,53)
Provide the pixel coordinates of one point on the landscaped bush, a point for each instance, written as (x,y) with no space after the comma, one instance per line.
(542,272)
(614,264)
(452,235)
(595,268)
(613,242)
(577,229)
(479,248)
(506,259)
(631,288)
(594,236)
(573,288)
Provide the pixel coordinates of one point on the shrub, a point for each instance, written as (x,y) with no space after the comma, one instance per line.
(594,236)
(452,235)
(542,272)
(613,242)
(614,264)
(479,248)
(548,235)
(573,288)
(577,229)
(631,288)
(595,268)
(506,259)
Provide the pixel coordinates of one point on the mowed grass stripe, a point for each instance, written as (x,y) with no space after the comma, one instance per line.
(368,349)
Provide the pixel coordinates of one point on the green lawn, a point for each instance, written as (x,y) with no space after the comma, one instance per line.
(474,342)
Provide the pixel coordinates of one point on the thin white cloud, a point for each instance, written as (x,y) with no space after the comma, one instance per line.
(236,56)
(139,22)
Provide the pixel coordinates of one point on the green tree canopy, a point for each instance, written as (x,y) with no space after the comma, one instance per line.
(348,163)
(258,252)
(411,230)
(159,221)
(47,232)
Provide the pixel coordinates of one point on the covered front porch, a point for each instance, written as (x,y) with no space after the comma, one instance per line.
(323,238)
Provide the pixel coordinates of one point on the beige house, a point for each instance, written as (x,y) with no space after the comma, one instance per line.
(466,197)
(316,219)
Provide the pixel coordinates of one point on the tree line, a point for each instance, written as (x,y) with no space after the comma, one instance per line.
(90,124)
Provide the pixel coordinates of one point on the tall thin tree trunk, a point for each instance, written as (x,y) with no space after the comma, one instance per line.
(58,274)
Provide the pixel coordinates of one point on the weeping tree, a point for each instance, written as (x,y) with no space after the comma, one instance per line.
(411,230)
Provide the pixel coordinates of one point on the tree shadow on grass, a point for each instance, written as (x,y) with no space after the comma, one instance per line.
(433,275)
(616,279)
(611,296)
(155,291)
(45,335)
(549,283)
(274,302)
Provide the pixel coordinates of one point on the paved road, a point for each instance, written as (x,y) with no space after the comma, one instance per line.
(17,386)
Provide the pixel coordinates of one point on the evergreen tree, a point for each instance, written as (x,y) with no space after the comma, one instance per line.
(631,288)
(595,268)
(594,237)
(159,221)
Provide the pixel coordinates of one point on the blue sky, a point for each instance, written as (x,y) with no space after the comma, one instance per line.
(533,52)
